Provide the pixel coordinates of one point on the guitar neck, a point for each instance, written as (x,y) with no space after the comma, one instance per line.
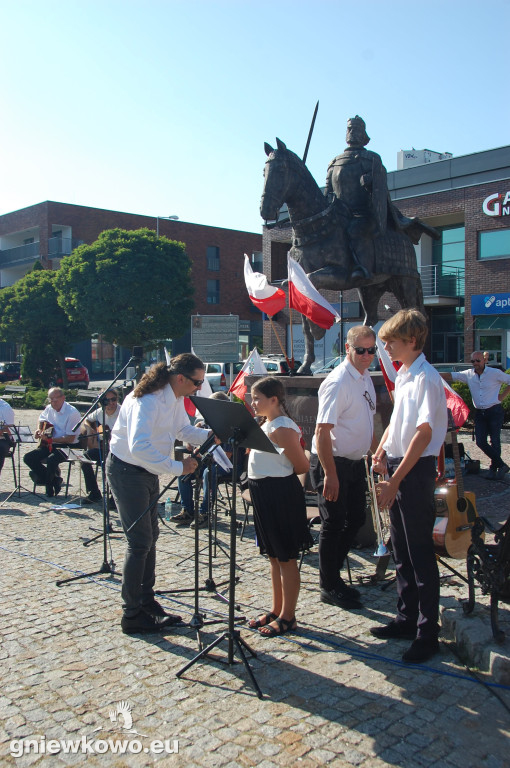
(456,461)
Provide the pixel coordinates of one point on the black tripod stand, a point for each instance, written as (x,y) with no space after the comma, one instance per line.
(19,435)
(198,618)
(233,424)
(106,566)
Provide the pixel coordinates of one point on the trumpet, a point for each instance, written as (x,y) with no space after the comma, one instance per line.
(380,517)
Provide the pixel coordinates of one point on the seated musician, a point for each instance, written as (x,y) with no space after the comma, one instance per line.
(6,441)
(55,431)
(94,422)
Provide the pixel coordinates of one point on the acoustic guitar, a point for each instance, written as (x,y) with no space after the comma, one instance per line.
(455,510)
(46,433)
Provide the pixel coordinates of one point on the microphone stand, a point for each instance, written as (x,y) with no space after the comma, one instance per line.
(106,567)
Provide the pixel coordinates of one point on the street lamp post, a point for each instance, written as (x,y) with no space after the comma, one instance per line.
(167,218)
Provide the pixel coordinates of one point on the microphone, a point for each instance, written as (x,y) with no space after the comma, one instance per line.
(200,450)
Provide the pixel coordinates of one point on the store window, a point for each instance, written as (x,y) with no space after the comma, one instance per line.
(213,258)
(213,291)
(448,256)
(494,244)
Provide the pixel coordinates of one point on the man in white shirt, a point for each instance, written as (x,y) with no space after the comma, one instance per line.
(343,435)
(94,422)
(58,419)
(407,452)
(484,384)
(150,420)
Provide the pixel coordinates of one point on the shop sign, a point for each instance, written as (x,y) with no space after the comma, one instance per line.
(497,204)
(490,304)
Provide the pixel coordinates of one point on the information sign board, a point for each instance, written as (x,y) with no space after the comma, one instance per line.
(215,338)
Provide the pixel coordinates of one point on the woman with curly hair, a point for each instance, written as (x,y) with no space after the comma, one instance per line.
(151,418)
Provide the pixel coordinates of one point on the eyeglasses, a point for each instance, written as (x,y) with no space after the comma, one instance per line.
(369,401)
(196,382)
(111,399)
(362,350)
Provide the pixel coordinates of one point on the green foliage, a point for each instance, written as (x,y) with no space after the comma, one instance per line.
(31,314)
(129,286)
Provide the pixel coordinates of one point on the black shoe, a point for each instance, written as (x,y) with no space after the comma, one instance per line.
(183,518)
(36,479)
(347,590)
(203,521)
(395,630)
(143,623)
(49,491)
(57,485)
(155,609)
(342,599)
(420,650)
(92,498)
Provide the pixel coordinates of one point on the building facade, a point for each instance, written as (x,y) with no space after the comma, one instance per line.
(48,231)
(465,274)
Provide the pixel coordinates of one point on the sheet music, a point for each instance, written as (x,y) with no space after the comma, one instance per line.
(220,457)
(23,434)
(76,454)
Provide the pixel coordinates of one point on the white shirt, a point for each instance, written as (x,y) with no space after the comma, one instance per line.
(6,413)
(62,421)
(485,388)
(147,428)
(419,399)
(109,420)
(263,464)
(342,402)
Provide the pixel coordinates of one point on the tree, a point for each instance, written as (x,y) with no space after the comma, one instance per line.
(129,286)
(31,315)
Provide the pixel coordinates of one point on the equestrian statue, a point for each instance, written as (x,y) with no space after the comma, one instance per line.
(350,236)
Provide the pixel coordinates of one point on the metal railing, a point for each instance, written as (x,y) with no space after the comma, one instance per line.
(437,280)
(57,248)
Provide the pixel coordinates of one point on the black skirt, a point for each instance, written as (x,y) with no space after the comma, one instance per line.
(280,517)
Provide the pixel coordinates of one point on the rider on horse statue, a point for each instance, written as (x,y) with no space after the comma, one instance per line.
(357,177)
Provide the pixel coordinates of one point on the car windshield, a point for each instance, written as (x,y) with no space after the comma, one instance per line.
(73,364)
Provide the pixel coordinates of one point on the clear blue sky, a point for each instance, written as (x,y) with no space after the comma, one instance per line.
(162,107)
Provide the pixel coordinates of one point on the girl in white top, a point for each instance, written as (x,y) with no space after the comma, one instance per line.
(279,504)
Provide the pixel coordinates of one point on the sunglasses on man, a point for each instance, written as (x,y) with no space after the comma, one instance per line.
(362,350)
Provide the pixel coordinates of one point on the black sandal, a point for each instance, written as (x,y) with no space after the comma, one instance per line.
(263,621)
(284,626)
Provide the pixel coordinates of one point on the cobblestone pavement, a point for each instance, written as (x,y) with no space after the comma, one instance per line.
(332,694)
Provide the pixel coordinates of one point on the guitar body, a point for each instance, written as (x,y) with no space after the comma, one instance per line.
(45,439)
(455,511)
(454,519)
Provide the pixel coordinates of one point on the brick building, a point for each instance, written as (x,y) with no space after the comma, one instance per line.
(48,231)
(465,275)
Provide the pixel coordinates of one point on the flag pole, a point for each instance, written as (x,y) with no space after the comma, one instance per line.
(278,340)
(291,336)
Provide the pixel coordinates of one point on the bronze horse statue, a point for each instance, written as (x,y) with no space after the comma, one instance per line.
(320,243)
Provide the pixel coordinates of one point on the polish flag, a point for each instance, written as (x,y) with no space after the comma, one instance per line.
(304,297)
(266,297)
(454,402)
(253,365)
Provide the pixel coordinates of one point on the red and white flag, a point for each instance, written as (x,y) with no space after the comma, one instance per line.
(253,365)
(266,297)
(304,297)
(204,391)
(454,402)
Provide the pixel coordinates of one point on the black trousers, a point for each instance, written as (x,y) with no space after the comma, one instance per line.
(89,473)
(412,518)
(340,519)
(5,447)
(46,474)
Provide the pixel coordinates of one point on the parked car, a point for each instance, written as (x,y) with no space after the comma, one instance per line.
(77,374)
(278,364)
(10,371)
(217,374)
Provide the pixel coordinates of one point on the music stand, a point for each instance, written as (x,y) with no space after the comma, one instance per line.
(20,434)
(232,423)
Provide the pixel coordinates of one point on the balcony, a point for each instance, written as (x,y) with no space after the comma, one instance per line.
(442,286)
(26,254)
